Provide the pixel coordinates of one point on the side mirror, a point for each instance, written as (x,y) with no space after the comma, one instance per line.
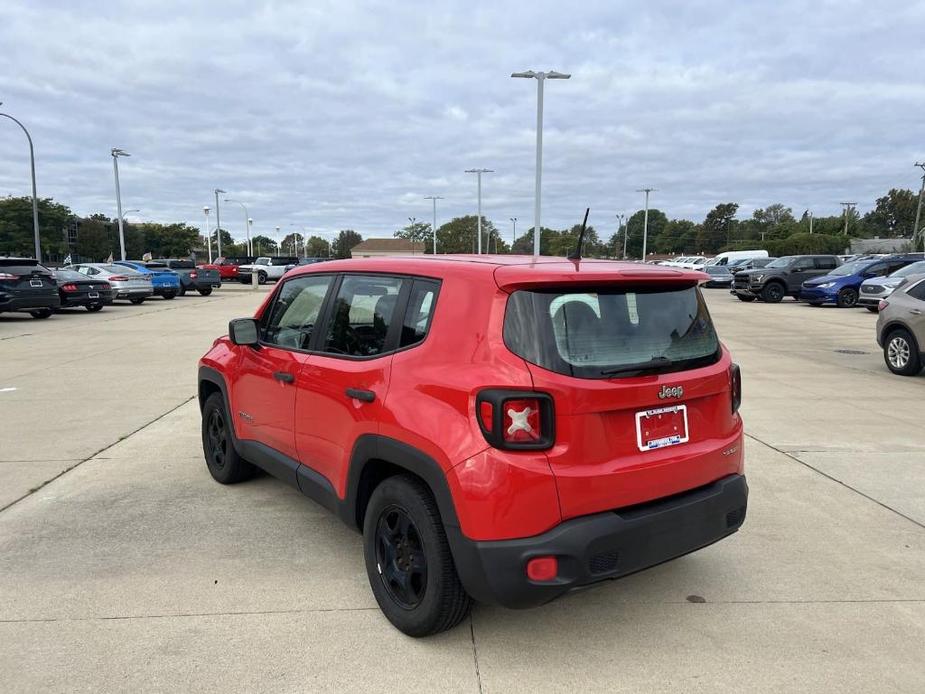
(243,331)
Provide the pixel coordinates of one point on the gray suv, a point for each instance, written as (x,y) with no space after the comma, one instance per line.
(901,327)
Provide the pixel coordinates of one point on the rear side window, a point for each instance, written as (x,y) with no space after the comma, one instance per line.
(918,291)
(826,263)
(15,266)
(419,312)
(294,313)
(804,264)
(182,264)
(362,314)
(611,332)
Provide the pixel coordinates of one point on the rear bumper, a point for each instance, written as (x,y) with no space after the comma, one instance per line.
(600,546)
(11,302)
(132,293)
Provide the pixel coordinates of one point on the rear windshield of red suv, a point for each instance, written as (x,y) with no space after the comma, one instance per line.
(611,332)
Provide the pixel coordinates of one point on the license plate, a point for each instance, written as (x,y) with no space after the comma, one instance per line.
(93,295)
(35,283)
(661,427)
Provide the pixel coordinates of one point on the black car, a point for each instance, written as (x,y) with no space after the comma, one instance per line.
(76,289)
(25,285)
(738,266)
(719,276)
(781,277)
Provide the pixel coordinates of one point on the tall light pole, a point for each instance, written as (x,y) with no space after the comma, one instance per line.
(619,229)
(479,173)
(277,241)
(513,232)
(847,206)
(810,221)
(218,221)
(247,227)
(116,153)
(128,212)
(434,228)
(208,231)
(541,78)
(35,200)
(918,210)
(411,223)
(645,221)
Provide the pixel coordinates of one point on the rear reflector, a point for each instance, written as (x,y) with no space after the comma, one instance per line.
(735,379)
(543,568)
(486,412)
(516,419)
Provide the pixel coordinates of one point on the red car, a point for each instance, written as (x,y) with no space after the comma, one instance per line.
(227,267)
(500,429)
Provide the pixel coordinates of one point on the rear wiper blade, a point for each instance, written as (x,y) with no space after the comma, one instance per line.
(654,362)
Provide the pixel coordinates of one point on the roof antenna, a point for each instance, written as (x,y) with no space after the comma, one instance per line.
(576,254)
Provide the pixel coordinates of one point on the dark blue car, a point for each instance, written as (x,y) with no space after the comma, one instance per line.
(166,282)
(842,286)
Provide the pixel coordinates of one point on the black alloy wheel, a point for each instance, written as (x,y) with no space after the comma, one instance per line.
(41,313)
(218,438)
(138,301)
(261,277)
(205,291)
(400,557)
(223,461)
(847,298)
(773,292)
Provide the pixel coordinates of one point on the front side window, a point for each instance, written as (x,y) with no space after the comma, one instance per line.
(362,314)
(803,264)
(293,315)
(611,332)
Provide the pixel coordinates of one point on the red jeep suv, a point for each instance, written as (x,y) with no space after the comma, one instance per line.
(499,428)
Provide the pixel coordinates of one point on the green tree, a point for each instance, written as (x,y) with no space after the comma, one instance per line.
(565,242)
(716,230)
(292,244)
(418,232)
(263,245)
(17,234)
(95,239)
(675,236)
(346,240)
(460,233)
(894,214)
(318,247)
(634,230)
(804,243)
(524,243)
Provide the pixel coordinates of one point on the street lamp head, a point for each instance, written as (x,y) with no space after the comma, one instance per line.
(116,152)
(529,74)
(553,75)
(206,209)
(250,221)
(219,190)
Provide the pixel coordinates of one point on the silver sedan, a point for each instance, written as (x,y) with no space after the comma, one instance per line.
(877,288)
(126,283)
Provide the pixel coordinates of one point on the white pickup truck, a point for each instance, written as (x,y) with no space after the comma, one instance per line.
(266,268)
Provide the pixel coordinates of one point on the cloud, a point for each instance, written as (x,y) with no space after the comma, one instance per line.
(334,115)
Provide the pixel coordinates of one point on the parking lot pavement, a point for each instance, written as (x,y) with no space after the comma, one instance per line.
(134,571)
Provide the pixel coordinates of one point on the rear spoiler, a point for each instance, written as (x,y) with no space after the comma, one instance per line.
(513,277)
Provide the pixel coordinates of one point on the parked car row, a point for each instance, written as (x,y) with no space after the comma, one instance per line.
(28,286)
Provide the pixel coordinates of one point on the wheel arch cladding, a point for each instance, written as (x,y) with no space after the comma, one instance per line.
(375,458)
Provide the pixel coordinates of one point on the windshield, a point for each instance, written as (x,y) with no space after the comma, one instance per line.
(21,266)
(119,270)
(611,332)
(781,262)
(181,264)
(850,268)
(262,261)
(69,275)
(916,268)
(716,270)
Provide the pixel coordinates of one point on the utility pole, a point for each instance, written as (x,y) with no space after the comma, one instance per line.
(514,233)
(277,242)
(208,233)
(479,173)
(645,222)
(116,153)
(434,229)
(810,221)
(412,221)
(918,210)
(847,206)
(540,78)
(35,202)
(218,221)
(619,229)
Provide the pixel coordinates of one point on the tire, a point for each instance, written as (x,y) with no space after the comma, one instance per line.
(138,300)
(847,298)
(872,309)
(261,277)
(41,313)
(205,291)
(182,289)
(901,353)
(93,308)
(167,296)
(223,461)
(403,522)
(773,293)
(745,298)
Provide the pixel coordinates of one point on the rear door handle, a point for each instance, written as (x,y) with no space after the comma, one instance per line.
(283,376)
(359,394)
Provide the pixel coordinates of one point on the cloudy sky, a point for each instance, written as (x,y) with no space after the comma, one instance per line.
(335,115)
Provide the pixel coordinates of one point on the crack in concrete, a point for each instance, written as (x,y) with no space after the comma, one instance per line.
(91,457)
(475,653)
(836,480)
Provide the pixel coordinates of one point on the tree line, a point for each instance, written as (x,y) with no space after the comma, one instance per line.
(774,228)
